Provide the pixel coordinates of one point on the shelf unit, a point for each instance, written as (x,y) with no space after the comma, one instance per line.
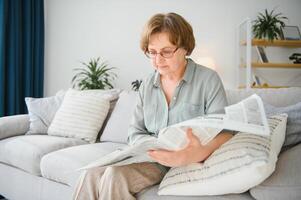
(248,42)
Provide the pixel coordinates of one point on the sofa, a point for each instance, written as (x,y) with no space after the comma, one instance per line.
(43,167)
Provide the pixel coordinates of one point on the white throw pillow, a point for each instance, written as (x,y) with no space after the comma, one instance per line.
(41,112)
(81,115)
(243,162)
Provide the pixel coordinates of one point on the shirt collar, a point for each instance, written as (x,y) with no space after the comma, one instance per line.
(189,70)
(187,74)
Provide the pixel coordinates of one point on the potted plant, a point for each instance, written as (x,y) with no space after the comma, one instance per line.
(268,25)
(136,84)
(94,75)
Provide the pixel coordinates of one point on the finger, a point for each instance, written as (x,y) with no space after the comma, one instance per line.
(192,138)
(161,155)
(164,157)
(162,161)
(158,159)
(150,153)
(190,135)
(154,154)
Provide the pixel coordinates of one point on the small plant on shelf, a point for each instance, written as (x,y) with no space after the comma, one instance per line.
(268,25)
(94,75)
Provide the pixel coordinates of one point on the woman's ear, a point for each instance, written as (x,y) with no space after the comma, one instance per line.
(185,53)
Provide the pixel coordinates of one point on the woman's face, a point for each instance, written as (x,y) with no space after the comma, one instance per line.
(159,43)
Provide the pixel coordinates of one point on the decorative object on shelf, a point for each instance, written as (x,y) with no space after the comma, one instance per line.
(265,85)
(257,81)
(261,54)
(136,85)
(94,75)
(290,33)
(296,57)
(268,25)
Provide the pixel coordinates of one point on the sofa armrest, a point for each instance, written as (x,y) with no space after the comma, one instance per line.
(13,125)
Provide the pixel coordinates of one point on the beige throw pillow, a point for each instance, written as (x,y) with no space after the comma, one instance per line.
(81,115)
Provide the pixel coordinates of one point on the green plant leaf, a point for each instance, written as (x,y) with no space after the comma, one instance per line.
(267,25)
(94,75)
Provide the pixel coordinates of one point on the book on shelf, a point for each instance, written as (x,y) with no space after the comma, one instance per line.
(257,81)
(261,54)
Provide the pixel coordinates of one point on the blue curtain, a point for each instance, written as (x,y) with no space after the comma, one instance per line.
(21,53)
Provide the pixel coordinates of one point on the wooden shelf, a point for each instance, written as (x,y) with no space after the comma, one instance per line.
(274,65)
(279,43)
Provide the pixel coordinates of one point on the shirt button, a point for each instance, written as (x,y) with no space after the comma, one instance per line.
(174,98)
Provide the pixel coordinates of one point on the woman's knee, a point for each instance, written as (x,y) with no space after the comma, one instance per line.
(114,172)
(93,172)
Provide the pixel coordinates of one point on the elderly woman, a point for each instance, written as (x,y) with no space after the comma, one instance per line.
(178,90)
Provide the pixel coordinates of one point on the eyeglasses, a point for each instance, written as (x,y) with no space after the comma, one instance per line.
(164,53)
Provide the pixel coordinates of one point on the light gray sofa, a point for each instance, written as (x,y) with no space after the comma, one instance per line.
(42,167)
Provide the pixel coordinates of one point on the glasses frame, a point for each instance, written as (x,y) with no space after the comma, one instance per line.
(173,52)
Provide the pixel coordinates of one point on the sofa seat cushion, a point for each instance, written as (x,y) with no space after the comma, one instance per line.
(25,152)
(151,194)
(285,182)
(61,166)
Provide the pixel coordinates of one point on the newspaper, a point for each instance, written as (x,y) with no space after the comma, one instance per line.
(246,116)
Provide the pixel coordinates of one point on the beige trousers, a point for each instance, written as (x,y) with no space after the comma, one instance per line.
(116,182)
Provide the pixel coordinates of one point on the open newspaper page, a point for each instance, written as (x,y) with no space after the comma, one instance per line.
(127,155)
(246,116)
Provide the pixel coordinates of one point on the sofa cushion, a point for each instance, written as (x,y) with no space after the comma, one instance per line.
(41,112)
(117,126)
(81,115)
(151,194)
(245,161)
(25,152)
(285,182)
(276,97)
(61,166)
(293,127)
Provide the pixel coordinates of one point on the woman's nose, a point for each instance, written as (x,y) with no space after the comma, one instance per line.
(159,59)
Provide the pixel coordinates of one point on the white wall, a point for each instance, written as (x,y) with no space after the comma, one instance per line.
(77,30)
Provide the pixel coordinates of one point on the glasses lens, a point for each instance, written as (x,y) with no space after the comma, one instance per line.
(151,54)
(167,54)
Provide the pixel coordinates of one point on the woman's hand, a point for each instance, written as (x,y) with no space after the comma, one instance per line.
(194,152)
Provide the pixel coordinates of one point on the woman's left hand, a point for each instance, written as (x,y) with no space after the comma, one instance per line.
(192,153)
